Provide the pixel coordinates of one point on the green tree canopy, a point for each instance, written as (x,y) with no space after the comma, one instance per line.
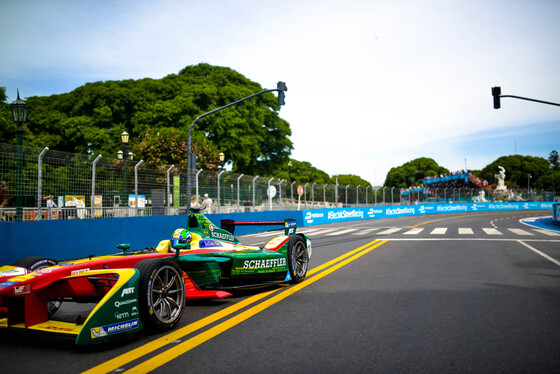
(518,168)
(250,134)
(302,172)
(413,172)
(348,179)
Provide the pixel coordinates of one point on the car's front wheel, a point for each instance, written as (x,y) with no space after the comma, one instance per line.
(298,258)
(161,293)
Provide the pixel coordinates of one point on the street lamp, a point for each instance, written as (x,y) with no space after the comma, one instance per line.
(290,168)
(19,112)
(221,157)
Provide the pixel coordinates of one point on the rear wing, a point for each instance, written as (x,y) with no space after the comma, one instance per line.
(289,224)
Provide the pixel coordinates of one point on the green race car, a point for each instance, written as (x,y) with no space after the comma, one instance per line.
(147,289)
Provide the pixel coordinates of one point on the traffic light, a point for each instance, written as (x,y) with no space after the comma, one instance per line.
(281,87)
(496,92)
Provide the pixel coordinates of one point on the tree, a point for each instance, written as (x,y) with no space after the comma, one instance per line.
(302,172)
(348,179)
(518,168)
(413,172)
(251,134)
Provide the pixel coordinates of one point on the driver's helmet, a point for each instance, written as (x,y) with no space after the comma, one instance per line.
(181,236)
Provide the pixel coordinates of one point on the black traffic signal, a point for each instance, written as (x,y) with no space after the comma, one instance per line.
(496,92)
(281,87)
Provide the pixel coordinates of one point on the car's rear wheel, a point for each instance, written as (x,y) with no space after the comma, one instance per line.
(298,258)
(161,293)
(34,263)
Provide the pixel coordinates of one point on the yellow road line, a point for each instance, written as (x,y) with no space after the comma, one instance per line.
(147,348)
(184,347)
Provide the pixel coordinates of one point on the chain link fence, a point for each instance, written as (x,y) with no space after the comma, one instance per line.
(48,184)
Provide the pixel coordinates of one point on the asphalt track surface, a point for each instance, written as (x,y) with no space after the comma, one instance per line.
(457,293)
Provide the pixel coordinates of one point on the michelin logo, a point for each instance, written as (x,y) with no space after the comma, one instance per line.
(99,332)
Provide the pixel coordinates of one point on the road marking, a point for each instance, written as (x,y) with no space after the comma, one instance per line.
(540,253)
(465,231)
(179,349)
(414,231)
(341,232)
(177,334)
(520,232)
(439,231)
(324,231)
(547,232)
(366,231)
(389,231)
(490,231)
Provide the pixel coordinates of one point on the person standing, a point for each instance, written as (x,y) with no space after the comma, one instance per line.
(206,204)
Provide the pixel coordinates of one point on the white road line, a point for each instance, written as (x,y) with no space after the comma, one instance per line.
(389,231)
(540,253)
(321,232)
(341,232)
(490,231)
(439,231)
(465,231)
(364,232)
(520,232)
(414,231)
(547,232)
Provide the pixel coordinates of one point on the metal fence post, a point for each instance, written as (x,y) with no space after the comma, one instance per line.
(254,179)
(313,195)
(325,194)
(136,186)
(196,184)
(40,182)
(169,188)
(219,201)
(92,214)
(292,193)
(268,192)
(357,191)
(238,195)
(280,191)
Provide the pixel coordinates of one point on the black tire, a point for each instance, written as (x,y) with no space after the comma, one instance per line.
(34,263)
(298,258)
(161,293)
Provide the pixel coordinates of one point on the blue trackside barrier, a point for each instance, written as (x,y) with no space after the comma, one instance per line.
(69,239)
(556,213)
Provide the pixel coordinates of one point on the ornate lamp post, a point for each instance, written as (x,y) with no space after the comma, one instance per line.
(222,158)
(125,154)
(19,112)
(290,168)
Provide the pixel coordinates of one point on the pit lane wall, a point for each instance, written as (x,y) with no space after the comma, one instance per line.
(71,239)
(556,214)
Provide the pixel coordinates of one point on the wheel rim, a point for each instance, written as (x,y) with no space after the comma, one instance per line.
(167,294)
(299,260)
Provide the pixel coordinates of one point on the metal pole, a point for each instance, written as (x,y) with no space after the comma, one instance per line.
(292,193)
(40,182)
(313,195)
(196,184)
(305,193)
(367,188)
(357,195)
(346,192)
(384,194)
(19,176)
(92,215)
(136,186)
(219,201)
(280,192)
(238,196)
(325,194)
(268,192)
(392,195)
(202,116)
(254,179)
(169,188)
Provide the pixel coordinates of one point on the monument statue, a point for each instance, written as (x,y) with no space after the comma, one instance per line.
(501,192)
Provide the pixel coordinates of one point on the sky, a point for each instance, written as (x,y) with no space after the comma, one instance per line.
(371,84)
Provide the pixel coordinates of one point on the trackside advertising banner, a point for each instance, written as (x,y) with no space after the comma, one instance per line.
(321,216)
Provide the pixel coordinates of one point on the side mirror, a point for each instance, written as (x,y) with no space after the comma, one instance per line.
(180,246)
(123,247)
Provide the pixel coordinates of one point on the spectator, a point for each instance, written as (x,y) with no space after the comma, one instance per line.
(206,205)
(194,202)
(50,202)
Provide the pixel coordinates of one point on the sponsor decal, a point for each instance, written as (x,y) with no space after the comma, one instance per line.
(452,208)
(264,264)
(13,272)
(310,216)
(211,228)
(58,328)
(370,213)
(503,206)
(422,210)
(22,290)
(121,315)
(395,211)
(76,272)
(290,224)
(115,328)
(222,235)
(209,243)
(118,304)
(127,291)
(345,214)
(7,284)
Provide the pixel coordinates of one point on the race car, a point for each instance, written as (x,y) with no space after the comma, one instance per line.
(147,289)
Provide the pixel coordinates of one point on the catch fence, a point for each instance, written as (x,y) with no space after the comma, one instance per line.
(47,184)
